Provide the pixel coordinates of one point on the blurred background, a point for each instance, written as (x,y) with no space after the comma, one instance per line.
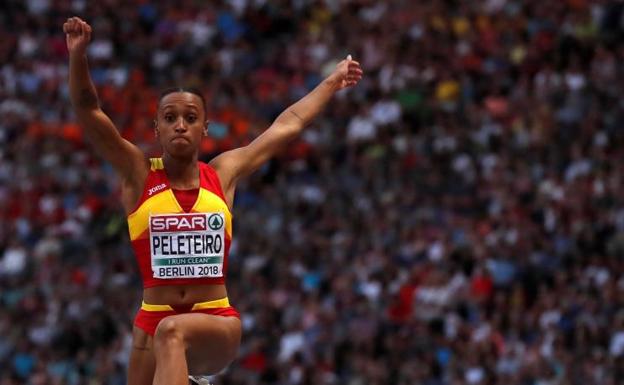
(457,218)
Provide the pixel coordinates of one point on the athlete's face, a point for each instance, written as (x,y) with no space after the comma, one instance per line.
(181,123)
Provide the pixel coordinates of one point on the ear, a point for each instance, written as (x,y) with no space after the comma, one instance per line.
(156,127)
(206,127)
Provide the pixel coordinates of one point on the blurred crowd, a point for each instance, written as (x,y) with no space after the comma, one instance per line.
(457,218)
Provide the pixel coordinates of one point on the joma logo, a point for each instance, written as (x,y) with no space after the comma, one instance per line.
(178,223)
(156,188)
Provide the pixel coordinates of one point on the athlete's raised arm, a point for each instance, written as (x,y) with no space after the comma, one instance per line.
(240,162)
(126,158)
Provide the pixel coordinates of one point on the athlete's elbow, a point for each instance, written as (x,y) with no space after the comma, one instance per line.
(85,99)
(291,119)
(89,121)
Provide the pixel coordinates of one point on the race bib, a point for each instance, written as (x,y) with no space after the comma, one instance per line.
(187,245)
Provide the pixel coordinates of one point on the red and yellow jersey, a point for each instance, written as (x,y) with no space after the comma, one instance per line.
(175,247)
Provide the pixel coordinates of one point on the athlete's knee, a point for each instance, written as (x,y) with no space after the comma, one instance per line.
(168,332)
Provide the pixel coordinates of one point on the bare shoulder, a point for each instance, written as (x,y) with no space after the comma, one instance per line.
(132,185)
(142,169)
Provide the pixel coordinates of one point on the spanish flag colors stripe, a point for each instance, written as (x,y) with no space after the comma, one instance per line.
(165,203)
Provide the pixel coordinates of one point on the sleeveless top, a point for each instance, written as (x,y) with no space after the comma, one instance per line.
(176,247)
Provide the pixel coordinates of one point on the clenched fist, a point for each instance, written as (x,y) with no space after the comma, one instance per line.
(347,73)
(77,35)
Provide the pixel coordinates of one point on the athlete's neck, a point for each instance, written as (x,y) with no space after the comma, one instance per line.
(183,174)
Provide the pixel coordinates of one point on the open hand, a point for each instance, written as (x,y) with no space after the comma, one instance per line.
(77,35)
(348,73)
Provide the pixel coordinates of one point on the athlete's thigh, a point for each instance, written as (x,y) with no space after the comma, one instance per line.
(142,362)
(212,341)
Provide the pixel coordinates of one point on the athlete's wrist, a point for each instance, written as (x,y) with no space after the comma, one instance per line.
(332,82)
(79,53)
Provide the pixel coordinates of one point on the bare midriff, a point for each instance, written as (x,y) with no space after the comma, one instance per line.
(183,294)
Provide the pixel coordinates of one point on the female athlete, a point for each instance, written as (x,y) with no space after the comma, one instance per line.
(179,216)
